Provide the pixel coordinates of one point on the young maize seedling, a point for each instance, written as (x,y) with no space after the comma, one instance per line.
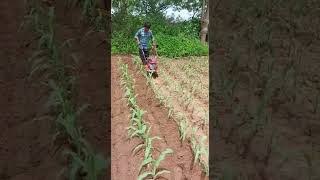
(189,100)
(132,101)
(147,144)
(129,92)
(88,9)
(149,79)
(198,149)
(161,99)
(91,164)
(140,130)
(154,173)
(183,128)
(171,110)
(135,113)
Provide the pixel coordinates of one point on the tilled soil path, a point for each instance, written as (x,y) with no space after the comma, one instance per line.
(181,162)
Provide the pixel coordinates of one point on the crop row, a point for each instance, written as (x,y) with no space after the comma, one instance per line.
(49,62)
(189,68)
(198,86)
(139,128)
(186,131)
(189,104)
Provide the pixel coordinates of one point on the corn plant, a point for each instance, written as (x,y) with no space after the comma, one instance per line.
(92,164)
(147,144)
(44,58)
(198,149)
(161,99)
(154,172)
(35,16)
(89,8)
(49,58)
(148,147)
(138,129)
(149,78)
(183,128)
(188,100)
(170,107)
(132,101)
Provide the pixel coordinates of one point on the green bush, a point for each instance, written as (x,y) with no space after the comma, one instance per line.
(174,39)
(180,45)
(122,44)
(169,46)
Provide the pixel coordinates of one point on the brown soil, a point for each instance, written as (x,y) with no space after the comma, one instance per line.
(27,150)
(286,146)
(179,163)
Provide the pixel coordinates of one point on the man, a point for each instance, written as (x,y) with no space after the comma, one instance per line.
(143,37)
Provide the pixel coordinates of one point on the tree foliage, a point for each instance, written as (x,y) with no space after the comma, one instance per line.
(175,38)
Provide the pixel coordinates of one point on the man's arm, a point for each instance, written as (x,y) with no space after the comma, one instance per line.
(137,36)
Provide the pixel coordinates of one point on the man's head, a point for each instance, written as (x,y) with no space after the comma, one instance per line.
(147,26)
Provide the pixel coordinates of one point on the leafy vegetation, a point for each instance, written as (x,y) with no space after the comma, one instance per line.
(53,65)
(175,38)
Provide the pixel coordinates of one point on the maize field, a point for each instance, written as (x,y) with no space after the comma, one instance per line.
(164,120)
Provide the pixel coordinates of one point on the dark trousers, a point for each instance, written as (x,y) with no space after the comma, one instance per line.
(145,56)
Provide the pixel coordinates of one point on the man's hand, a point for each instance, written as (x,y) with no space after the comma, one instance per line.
(138,42)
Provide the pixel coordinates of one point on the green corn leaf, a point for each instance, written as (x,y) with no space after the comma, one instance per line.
(156,138)
(99,162)
(144,175)
(38,68)
(160,173)
(147,152)
(135,133)
(161,158)
(75,157)
(148,131)
(197,154)
(75,167)
(202,140)
(61,173)
(142,128)
(67,43)
(145,162)
(81,109)
(75,58)
(138,148)
(37,56)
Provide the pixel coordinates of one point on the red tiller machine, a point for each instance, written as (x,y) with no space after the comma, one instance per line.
(152,62)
